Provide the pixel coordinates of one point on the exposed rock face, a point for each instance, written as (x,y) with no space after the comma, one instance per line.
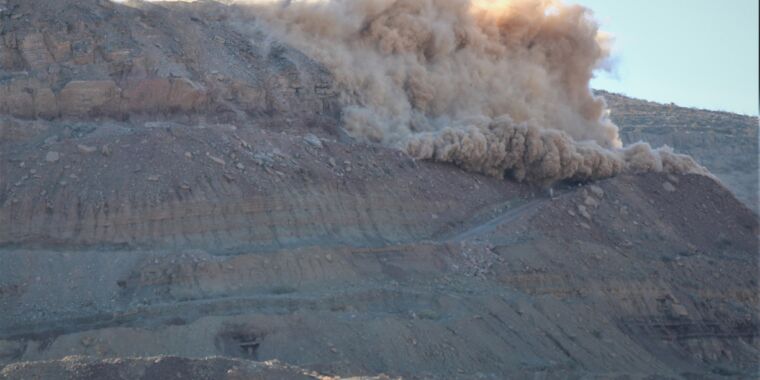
(35,51)
(199,200)
(725,143)
(103,59)
(85,98)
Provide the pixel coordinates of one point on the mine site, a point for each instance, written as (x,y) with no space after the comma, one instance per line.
(363,189)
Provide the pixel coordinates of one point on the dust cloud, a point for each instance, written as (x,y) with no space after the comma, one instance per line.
(498,87)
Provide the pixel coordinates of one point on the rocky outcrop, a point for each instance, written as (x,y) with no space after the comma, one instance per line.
(90,67)
(35,51)
(28,98)
(89,98)
(156,96)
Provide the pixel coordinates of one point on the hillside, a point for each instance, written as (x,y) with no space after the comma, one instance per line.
(725,143)
(179,199)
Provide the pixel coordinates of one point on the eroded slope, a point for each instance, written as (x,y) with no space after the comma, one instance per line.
(725,143)
(191,193)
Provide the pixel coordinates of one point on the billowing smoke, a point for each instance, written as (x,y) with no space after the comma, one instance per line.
(498,87)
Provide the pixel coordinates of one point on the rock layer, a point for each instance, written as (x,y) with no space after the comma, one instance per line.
(104,59)
(348,259)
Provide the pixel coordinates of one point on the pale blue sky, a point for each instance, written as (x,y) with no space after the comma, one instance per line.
(695,53)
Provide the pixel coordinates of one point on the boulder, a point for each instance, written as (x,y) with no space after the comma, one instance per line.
(597,191)
(85,149)
(313,140)
(82,98)
(52,156)
(157,95)
(668,187)
(251,99)
(147,95)
(16,98)
(83,52)
(9,56)
(26,98)
(35,52)
(584,212)
(117,55)
(45,103)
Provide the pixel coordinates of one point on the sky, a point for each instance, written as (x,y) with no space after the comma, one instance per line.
(695,53)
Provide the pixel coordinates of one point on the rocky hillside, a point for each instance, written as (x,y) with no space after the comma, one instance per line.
(178,201)
(91,59)
(725,143)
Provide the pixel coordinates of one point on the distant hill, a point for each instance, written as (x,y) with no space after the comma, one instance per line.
(725,143)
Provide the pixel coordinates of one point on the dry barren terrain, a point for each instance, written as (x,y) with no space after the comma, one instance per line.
(725,143)
(179,201)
